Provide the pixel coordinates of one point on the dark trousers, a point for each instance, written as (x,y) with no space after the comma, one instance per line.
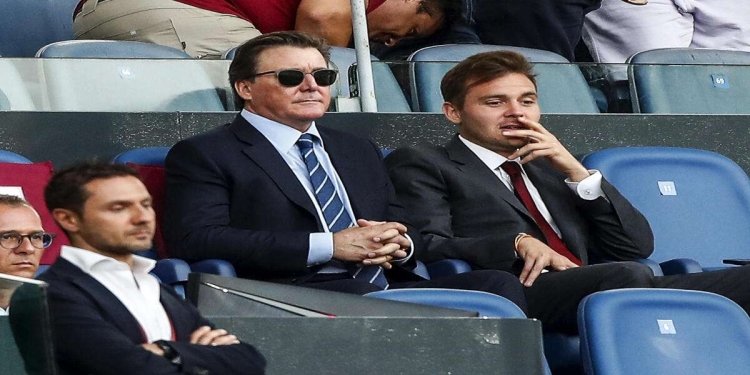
(500,283)
(555,296)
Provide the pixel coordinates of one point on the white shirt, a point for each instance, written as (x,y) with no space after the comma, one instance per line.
(589,188)
(3,311)
(135,288)
(284,139)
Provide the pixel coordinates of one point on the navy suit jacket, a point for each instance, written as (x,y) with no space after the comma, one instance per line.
(230,195)
(95,333)
(465,212)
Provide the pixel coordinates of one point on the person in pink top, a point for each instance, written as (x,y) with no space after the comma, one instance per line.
(207,28)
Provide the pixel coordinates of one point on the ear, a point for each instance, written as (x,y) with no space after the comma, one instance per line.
(243,90)
(452,113)
(67,219)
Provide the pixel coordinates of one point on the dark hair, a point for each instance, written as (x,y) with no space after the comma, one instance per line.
(245,62)
(450,9)
(66,187)
(12,201)
(482,68)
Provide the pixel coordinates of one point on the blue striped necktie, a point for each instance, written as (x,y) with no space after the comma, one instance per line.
(334,211)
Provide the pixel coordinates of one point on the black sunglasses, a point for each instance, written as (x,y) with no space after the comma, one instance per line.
(293,77)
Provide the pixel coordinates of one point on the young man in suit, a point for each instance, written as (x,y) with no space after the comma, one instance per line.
(506,194)
(22,242)
(108,314)
(287,201)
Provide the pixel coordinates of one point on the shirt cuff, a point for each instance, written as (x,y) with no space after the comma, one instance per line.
(590,188)
(410,252)
(321,248)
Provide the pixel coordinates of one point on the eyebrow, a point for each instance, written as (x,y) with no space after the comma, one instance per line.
(505,96)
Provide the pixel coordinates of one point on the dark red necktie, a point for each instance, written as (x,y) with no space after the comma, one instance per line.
(553,240)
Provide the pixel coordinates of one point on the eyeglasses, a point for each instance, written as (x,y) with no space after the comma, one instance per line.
(293,77)
(12,240)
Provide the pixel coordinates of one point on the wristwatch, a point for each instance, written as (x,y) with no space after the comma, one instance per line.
(169,353)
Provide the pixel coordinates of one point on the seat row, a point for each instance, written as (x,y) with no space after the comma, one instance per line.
(659,181)
(140,77)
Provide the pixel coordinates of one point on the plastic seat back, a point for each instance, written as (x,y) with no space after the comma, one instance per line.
(129,84)
(663,331)
(561,86)
(697,202)
(109,49)
(680,81)
(14,96)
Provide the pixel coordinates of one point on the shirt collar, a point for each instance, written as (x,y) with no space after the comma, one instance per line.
(88,260)
(282,137)
(491,159)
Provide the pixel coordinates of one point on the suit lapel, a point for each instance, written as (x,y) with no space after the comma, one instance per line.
(468,163)
(108,302)
(262,152)
(549,187)
(347,167)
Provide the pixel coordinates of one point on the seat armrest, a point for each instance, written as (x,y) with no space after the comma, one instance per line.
(680,266)
(447,267)
(215,267)
(655,268)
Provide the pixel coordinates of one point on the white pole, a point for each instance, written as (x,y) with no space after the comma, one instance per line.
(364,66)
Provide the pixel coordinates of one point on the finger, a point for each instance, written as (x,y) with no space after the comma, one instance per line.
(387,235)
(398,254)
(210,336)
(225,340)
(386,249)
(368,223)
(534,125)
(535,272)
(377,260)
(198,333)
(528,264)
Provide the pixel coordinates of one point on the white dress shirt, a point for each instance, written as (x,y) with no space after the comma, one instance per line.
(284,139)
(589,188)
(4,311)
(135,288)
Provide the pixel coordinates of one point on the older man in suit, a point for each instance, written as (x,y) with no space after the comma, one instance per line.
(108,314)
(506,194)
(287,201)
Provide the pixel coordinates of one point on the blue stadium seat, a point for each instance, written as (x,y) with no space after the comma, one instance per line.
(27,25)
(173,272)
(145,156)
(215,267)
(14,95)
(562,87)
(661,331)
(486,304)
(12,157)
(678,80)
(697,202)
(99,83)
(109,49)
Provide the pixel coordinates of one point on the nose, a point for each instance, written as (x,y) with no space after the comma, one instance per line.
(25,247)
(391,41)
(308,83)
(514,109)
(142,215)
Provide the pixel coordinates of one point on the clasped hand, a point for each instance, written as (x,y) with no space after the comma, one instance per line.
(371,243)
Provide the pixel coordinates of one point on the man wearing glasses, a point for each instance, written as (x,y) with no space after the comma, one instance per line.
(287,201)
(108,314)
(22,242)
